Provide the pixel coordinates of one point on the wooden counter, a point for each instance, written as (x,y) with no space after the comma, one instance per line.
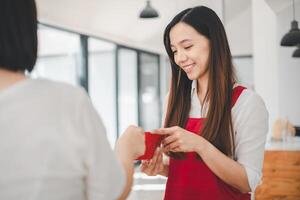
(281,172)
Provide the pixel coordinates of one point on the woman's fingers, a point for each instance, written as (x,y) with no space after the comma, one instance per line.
(169,140)
(143,166)
(177,149)
(167,131)
(158,164)
(154,158)
(146,168)
(172,146)
(155,161)
(151,167)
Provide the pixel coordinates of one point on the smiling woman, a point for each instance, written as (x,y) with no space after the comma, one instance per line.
(188,45)
(215,129)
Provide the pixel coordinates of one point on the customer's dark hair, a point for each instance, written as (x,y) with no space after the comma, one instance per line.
(18,35)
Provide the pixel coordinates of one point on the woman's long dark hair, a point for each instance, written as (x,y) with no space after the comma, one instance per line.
(218,128)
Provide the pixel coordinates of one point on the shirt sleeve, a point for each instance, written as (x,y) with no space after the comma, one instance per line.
(251,131)
(105,178)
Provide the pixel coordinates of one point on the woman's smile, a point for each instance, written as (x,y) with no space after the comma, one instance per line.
(188,68)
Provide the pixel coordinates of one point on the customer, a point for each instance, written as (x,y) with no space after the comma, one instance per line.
(53,145)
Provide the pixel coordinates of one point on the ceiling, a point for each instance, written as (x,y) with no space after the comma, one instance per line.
(279,5)
(117,20)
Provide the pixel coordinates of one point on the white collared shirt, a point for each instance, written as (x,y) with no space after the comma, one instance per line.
(250,122)
(53,145)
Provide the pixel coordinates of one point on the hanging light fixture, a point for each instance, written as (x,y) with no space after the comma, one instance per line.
(296,53)
(148,11)
(292,38)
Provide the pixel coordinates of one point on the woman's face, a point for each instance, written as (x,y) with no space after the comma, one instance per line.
(190,49)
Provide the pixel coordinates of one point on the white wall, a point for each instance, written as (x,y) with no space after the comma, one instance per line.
(265,57)
(289,69)
(258,30)
(239,32)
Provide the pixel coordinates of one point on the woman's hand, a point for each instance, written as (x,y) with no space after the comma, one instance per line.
(155,165)
(180,140)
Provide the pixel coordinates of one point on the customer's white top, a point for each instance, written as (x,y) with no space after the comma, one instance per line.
(250,121)
(53,145)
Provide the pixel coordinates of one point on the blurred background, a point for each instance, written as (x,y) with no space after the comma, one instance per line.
(119,58)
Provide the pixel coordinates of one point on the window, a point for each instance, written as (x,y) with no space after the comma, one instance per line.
(102,83)
(127,88)
(58,55)
(124,83)
(244,70)
(165,79)
(150,114)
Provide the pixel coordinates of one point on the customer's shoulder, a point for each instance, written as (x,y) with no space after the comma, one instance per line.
(60,89)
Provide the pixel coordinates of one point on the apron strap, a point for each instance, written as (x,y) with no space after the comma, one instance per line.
(237,91)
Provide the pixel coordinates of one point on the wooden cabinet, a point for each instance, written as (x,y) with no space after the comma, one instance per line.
(281,176)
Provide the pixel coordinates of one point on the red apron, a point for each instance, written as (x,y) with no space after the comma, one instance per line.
(191,179)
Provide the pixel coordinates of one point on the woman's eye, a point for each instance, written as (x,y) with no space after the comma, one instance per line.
(174,52)
(188,47)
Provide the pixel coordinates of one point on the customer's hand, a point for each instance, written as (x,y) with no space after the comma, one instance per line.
(129,146)
(134,140)
(155,165)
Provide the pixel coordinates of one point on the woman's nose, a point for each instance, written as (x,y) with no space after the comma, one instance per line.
(181,57)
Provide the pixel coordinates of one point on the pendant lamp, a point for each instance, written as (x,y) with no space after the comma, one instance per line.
(148,11)
(296,53)
(292,38)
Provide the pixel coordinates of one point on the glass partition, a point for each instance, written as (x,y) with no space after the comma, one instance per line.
(127,88)
(58,55)
(244,70)
(149,100)
(102,83)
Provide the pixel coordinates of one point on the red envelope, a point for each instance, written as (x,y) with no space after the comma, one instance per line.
(152,141)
